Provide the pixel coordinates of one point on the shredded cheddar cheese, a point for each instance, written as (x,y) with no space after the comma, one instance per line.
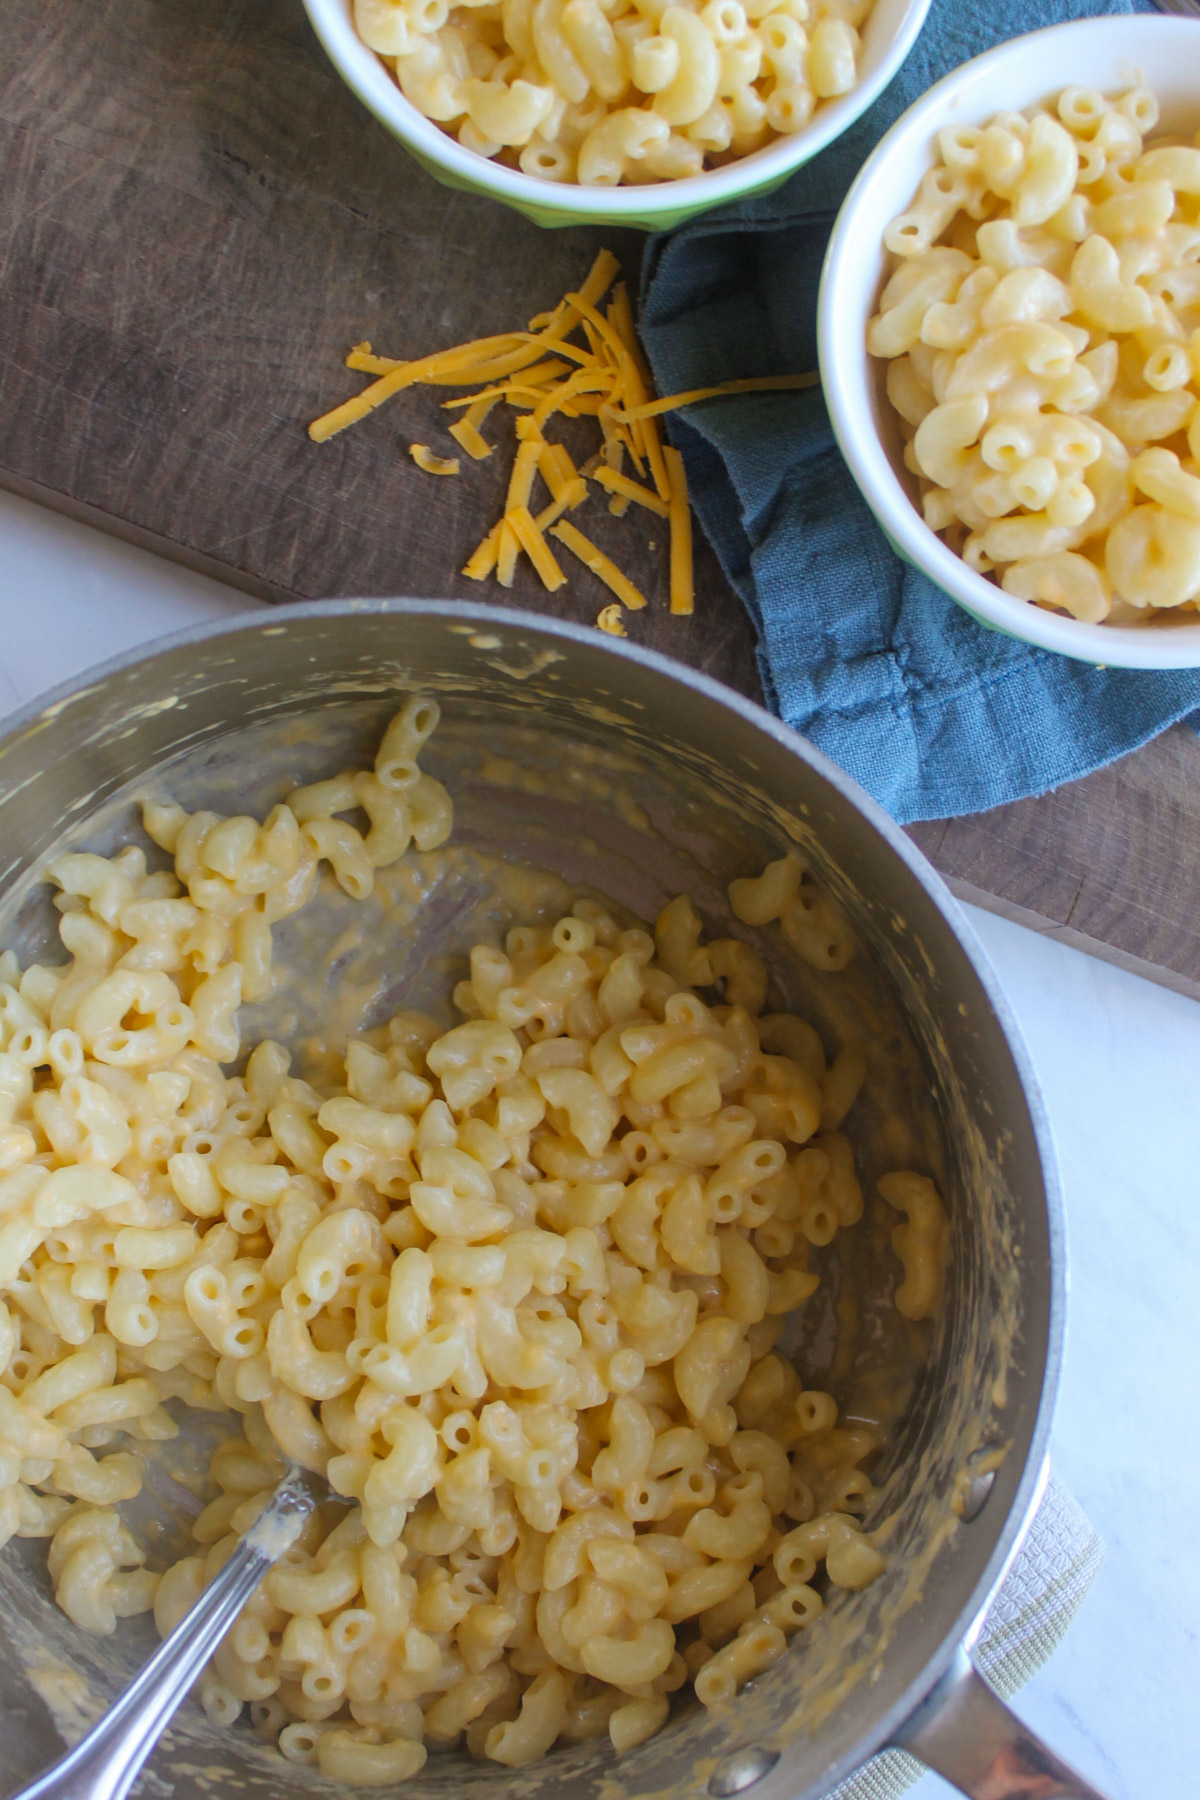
(755,384)
(535,547)
(467,430)
(609,619)
(561,476)
(581,359)
(680,521)
(480,565)
(620,484)
(594,559)
(425,459)
(506,561)
(520,484)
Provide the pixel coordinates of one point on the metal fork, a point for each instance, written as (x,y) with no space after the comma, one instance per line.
(1183,9)
(104,1764)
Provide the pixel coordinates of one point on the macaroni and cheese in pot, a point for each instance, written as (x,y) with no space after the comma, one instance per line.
(557,1283)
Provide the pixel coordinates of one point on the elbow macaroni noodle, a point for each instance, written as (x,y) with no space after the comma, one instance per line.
(515,1289)
(1042,332)
(607,91)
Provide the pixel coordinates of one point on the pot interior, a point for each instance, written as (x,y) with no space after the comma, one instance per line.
(573,769)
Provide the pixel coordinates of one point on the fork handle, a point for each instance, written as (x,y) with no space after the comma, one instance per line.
(105,1763)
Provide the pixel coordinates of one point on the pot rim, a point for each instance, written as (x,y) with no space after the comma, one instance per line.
(44,708)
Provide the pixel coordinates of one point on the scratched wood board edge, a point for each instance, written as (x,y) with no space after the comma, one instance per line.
(129,532)
(1016,914)
(1108,861)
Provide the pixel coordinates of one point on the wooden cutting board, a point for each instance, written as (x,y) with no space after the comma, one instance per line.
(196,221)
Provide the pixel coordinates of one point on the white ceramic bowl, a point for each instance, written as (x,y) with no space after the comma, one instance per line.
(888,35)
(1105,53)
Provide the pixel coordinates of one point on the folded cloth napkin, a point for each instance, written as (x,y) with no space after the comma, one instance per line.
(1041,1594)
(932,712)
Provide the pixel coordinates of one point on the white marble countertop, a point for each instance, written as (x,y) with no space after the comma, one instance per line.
(1119,1062)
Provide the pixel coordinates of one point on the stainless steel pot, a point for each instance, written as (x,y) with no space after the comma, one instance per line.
(618,768)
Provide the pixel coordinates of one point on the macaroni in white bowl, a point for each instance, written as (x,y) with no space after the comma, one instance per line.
(1042,333)
(604,92)
(1109,56)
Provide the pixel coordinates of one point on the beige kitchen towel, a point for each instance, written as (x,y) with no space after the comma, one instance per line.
(1026,1622)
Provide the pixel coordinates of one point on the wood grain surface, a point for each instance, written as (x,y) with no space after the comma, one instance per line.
(1110,864)
(197,219)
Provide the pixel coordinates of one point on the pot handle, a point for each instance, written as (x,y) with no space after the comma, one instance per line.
(964,1730)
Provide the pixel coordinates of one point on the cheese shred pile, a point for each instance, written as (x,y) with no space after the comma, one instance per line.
(576,360)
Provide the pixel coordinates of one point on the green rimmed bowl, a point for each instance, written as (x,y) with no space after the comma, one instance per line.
(888,34)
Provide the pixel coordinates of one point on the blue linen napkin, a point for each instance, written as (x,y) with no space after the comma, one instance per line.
(932,712)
